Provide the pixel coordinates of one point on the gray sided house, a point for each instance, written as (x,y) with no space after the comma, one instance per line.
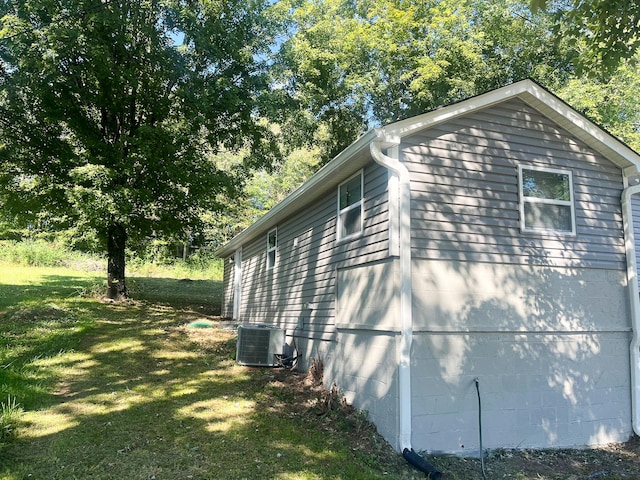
(490,240)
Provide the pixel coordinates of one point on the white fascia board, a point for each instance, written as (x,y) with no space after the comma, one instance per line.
(303,195)
(406,127)
(527,90)
(543,101)
(580,126)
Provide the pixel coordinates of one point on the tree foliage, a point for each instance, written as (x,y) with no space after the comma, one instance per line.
(129,118)
(111,111)
(613,103)
(350,65)
(263,189)
(608,30)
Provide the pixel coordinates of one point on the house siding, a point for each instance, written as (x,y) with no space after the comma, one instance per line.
(540,319)
(299,293)
(465,192)
(312,274)
(228,282)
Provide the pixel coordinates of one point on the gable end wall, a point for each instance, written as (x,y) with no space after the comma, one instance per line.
(541,320)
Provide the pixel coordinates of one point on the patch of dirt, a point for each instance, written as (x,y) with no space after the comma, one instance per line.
(302,395)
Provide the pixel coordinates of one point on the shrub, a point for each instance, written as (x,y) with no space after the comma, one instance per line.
(36,253)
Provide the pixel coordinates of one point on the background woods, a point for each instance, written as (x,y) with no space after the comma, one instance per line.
(125,126)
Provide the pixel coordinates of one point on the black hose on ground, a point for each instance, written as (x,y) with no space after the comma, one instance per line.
(421,464)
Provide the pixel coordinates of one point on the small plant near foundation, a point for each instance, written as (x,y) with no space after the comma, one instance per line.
(315,373)
(330,400)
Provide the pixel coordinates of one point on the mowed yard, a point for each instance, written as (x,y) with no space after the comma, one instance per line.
(130,391)
(100,390)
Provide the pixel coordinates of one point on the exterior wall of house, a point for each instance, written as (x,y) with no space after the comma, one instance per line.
(541,320)
(228,282)
(363,363)
(549,345)
(334,299)
(364,359)
(300,293)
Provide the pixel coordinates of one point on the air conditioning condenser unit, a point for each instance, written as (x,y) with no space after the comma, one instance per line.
(259,345)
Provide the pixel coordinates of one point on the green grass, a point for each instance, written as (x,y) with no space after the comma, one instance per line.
(126,390)
(40,253)
(204,296)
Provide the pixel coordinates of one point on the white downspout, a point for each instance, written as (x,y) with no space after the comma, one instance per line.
(404,253)
(634,302)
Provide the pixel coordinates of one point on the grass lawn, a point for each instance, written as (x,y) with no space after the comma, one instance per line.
(92,389)
(128,391)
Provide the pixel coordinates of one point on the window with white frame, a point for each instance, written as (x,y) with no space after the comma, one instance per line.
(546,200)
(350,206)
(272,246)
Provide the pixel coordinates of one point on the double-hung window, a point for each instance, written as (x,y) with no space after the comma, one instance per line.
(272,247)
(546,200)
(350,207)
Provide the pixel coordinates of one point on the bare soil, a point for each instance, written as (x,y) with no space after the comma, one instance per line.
(327,410)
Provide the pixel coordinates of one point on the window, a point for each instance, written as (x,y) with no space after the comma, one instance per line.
(350,207)
(272,245)
(546,200)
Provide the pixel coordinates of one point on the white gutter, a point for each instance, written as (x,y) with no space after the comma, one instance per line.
(634,303)
(404,253)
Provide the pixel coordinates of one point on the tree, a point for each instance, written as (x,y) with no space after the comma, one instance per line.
(613,103)
(262,189)
(350,65)
(609,30)
(111,111)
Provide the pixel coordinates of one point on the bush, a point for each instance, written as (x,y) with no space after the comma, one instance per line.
(40,253)
(36,253)
(194,269)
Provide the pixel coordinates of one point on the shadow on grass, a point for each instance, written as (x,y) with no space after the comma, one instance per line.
(203,296)
(36,322)
(145,397)
(140,395)
(44,289)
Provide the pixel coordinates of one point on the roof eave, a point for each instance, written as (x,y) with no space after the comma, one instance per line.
(582,128)
(542,100)
(305,194)
(527,90)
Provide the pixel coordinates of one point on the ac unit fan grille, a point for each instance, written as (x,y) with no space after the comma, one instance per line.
(258,345)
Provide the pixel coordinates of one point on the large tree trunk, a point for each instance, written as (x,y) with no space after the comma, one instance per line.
(116,242)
